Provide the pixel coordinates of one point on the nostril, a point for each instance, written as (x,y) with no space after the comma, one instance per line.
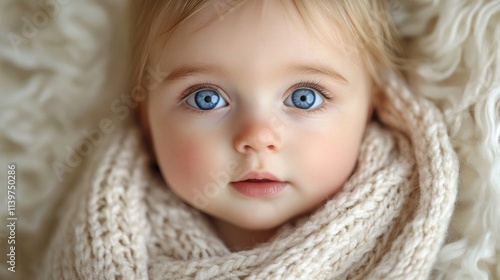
(271,147)
(247,148)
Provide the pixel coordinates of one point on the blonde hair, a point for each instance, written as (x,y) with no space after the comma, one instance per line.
(365,23)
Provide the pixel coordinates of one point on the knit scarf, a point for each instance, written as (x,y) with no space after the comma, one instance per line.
(387,222)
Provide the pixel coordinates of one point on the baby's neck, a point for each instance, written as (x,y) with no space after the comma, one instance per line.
(238,239)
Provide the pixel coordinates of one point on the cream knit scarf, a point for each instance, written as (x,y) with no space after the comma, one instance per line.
(388,222)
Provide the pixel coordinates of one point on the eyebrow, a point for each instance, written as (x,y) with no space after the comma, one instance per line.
(318,69)
(186,71)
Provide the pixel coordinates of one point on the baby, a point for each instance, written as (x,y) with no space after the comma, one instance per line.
(268,163)
(262,105)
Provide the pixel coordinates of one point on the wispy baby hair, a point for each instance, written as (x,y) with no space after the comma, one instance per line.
(366,24)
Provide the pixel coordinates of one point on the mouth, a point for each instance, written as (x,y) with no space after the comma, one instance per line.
(256,185)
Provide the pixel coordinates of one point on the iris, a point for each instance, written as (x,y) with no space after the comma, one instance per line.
(206,99)
(304,98)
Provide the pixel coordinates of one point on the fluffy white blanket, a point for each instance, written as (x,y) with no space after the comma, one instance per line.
(63,69)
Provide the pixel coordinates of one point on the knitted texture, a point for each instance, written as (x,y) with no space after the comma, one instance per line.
(389,220)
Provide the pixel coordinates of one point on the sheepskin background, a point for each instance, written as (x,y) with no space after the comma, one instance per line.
(63,70)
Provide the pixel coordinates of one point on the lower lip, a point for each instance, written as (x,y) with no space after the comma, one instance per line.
(255,189)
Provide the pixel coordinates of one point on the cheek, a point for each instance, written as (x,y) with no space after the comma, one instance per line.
(181,157)
(327,161)
(184,159)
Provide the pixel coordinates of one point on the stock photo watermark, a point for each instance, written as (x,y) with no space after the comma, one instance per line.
(202,198)
(220,179)
(121,108)
(11,220)
(47,10)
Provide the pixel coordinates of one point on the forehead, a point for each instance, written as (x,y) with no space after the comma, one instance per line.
(257,28)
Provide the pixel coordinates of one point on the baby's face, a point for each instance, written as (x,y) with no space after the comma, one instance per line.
(259,120)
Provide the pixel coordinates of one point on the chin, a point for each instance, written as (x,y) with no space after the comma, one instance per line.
(257,223)
(258,226)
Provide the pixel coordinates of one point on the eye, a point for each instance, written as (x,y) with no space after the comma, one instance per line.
(304,98)
(206,99)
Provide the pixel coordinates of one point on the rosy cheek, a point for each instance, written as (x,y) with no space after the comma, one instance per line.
(328,164)
(185,158)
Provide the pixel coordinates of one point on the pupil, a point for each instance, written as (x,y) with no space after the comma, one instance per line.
(208,99)
(303,98)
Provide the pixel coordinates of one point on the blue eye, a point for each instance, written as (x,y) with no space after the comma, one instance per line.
(206,99)
(304,98)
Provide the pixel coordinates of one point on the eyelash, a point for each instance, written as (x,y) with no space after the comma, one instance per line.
(194,88)
(314,85)
(321,90)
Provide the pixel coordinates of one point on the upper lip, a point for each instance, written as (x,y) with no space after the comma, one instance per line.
(259,176)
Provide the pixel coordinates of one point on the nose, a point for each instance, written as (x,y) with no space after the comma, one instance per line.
(257,137)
